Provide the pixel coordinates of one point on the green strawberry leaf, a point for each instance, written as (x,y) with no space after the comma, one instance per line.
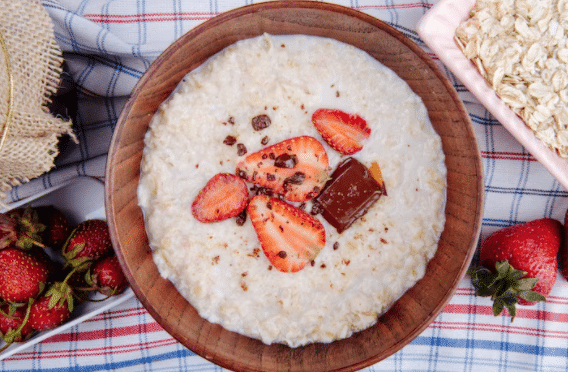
(526,284)
(531,296)
(498,306)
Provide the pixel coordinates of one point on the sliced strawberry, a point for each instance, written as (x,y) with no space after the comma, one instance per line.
(342,131)
(224,196)
(296,168)
(289,237)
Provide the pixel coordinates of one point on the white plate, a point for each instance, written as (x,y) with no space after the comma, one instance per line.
(437,29)
(80,199)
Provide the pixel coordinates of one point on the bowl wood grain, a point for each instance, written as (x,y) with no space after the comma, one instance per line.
(414,311)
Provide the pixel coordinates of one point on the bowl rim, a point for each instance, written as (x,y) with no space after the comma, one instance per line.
(348,12)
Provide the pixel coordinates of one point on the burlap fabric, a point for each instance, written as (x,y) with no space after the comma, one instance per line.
(30,69)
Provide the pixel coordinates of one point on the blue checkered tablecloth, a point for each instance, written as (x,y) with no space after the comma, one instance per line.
(107,47)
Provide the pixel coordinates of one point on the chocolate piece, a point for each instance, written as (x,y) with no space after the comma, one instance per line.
(286,161)
(230,140)
(241,149)
(348,195)
(260,122)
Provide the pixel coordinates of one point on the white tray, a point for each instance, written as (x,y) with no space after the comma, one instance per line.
(80,199)
(437,29)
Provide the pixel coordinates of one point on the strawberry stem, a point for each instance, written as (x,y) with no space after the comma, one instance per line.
(505,286)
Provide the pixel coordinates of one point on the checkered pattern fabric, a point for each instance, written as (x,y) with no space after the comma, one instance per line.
(109,44)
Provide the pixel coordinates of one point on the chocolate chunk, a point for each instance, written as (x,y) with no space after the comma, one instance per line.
(241,218)
(316,209)
(261,190)
(260,122)
(295,179)
(286,161)
(241,149)
(230,140)
(348,195)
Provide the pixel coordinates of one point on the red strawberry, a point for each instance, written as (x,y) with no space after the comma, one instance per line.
(90,240)
(296,168)
(289,237)
(342,131)
(564,249)
(519,264)
(23,275)
(224,196)
(21,228)
(57,227)
(14,326)
(52,309)
(106,276)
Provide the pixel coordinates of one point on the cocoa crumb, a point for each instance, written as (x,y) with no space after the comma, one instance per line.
(241,218)
(384,241)
(215,260)
(244,274)
(244,287)
(241,149)
(335,246)
(231,120)
(316,209)
(264,140)
(230,140)
(255,253)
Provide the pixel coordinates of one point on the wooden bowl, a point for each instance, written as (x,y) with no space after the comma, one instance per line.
(414,311)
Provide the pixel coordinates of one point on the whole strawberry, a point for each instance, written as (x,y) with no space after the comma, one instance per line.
(23,275)
(57,226)
(14,325)
(106,276)
(53,308)
(90,240)
(20,228)
(564,250)
(519,264)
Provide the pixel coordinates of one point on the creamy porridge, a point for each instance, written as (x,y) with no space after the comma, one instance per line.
(204,128)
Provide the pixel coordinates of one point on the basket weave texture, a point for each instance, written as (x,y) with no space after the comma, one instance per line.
(30,70)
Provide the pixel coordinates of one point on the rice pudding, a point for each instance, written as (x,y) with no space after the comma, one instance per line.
(206,127)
